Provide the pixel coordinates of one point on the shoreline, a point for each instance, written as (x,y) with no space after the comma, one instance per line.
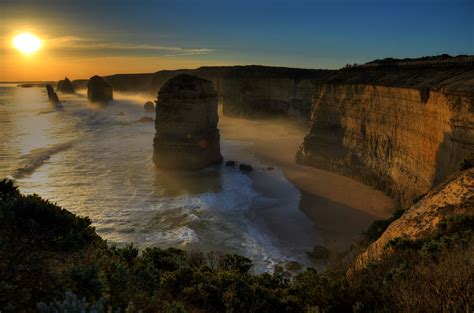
(340,208)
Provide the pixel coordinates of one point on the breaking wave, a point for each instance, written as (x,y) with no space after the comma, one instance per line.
(37,158)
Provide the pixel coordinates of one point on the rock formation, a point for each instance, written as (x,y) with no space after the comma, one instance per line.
(277,91)
(401,140)
(149,106)
(52,96)
(186,136)
(98,90)
(145,119)
(65,86)
(453,197)
(245,167)
(251,91)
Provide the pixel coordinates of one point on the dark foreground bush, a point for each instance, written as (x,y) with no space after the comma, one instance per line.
(52,261)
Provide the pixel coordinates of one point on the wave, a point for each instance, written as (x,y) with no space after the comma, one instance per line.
(45,112)
(37,157)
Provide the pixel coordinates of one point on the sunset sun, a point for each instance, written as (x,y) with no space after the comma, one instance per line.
(27,43)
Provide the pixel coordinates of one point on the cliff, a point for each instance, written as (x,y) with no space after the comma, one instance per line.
(265,97)
(186,136)
(261,91)
(403,139)
(251,91)
(453,197)
(451,79)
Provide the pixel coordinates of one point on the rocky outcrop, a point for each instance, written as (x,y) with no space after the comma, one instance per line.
(98,90)
(453,197)
(145,119)
(186,136)
(65,86)
(401,140)
(52,96)
(149,106)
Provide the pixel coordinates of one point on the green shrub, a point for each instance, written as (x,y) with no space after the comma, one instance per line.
(52,257)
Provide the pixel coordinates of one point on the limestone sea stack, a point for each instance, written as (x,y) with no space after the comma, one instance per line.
(98,90)
(65,86)
(186,136)
(52,96)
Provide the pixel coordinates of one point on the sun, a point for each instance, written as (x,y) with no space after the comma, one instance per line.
(27,43)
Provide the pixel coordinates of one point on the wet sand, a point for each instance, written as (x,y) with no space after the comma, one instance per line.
(341,208)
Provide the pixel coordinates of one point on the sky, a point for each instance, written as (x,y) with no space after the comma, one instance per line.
(84,38)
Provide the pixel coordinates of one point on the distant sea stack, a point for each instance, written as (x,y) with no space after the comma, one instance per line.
(65,86)
(149,106)
(52,96)
(98,90)
(186,136)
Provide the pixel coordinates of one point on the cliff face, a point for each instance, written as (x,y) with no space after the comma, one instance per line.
(251,91)
(401,140)
(260,97)
(257,91)
(453,197)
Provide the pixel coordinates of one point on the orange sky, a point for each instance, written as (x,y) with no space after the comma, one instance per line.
(49,64)
(91,37)
(40,66)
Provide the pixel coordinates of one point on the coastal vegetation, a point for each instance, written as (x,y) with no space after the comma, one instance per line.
(53,261)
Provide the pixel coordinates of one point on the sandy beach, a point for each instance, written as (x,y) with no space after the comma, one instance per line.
(340,208)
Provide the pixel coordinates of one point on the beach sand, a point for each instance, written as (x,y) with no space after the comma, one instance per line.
(340,208)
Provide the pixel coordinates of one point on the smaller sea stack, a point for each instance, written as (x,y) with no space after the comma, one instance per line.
(149,106)
(52,96)
(98,90)
(186,136)
(65,86)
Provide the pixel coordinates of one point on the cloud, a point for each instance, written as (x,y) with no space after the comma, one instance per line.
(85,44)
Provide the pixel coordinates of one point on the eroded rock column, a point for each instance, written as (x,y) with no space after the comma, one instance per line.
(52,96)
(186,136)
(98,90)
(65,86)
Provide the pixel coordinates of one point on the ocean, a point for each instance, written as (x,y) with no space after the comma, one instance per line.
(97,162)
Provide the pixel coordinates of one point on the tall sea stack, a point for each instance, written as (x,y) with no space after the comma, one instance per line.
(186,136)
(65,86)
(98,90)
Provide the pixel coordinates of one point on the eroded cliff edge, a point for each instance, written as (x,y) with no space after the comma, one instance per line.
(403,139)
(454,197)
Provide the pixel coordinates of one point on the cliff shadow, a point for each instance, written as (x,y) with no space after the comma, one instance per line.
(338,224)
(456,147)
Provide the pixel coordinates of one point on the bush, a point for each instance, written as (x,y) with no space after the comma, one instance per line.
(58,261)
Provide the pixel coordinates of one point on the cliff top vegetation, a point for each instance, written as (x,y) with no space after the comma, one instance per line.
(53,261)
